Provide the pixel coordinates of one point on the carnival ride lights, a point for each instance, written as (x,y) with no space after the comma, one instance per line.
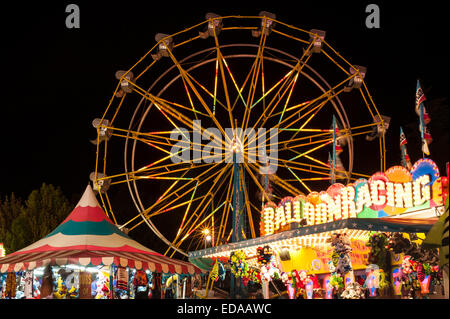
(229,85)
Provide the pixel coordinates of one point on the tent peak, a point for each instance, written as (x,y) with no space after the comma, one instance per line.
(88,198)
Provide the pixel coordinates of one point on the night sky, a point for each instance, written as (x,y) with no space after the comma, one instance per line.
(57,80)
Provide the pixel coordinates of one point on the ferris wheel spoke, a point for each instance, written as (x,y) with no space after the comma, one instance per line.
(313,109)
(185,213)
(220,61)
(185,76)
(166,110)
(289,97)
(173,115)
(278,181)
(183,107)
(255,70)
(212,95)
(152,171)
(198,224)
(328,95)
(298,179)
(323,169)
(285,82)
(297,69)
(264,117)
(192,226)
(163,208)
(161,199)
(174,193)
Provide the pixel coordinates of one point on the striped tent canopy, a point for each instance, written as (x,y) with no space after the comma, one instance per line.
(87,237)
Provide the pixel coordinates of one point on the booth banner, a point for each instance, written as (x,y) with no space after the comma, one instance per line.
(359,256)
(85,285)
(315,260)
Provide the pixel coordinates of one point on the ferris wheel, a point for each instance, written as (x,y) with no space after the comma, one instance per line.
(220,118)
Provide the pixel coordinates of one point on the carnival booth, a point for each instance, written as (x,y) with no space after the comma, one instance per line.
(363,240)
(85,257)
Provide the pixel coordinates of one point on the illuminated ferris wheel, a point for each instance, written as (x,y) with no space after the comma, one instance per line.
(218,119)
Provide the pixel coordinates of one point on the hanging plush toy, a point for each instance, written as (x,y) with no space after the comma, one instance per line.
(303,279)
(353,291)
(222,271)
(340,256)
(264,254)
(102,286)
(253,276)
(286,278)
(73,293)
(61,291)
(378,251)
(337,281)
(218,271)
(383,285)
(295,279)
(239,266)
(140,279)
(215,271)
(269,271)
(406,265)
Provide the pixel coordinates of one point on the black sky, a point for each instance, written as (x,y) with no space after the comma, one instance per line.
(57,80)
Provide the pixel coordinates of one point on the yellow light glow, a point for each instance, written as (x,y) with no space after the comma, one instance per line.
(403,195)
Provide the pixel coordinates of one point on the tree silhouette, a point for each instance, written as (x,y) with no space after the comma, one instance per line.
(26,223)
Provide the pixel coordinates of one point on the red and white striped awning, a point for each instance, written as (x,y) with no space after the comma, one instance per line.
(155,263)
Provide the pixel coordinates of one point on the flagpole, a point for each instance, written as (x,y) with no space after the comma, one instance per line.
(421,129)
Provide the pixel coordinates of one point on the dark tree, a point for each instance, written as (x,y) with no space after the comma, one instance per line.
(44,209)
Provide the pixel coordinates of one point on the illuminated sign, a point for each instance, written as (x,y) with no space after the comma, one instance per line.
(393,192)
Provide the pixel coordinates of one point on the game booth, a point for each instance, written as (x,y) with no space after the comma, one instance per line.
(362,240)
(86,257)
